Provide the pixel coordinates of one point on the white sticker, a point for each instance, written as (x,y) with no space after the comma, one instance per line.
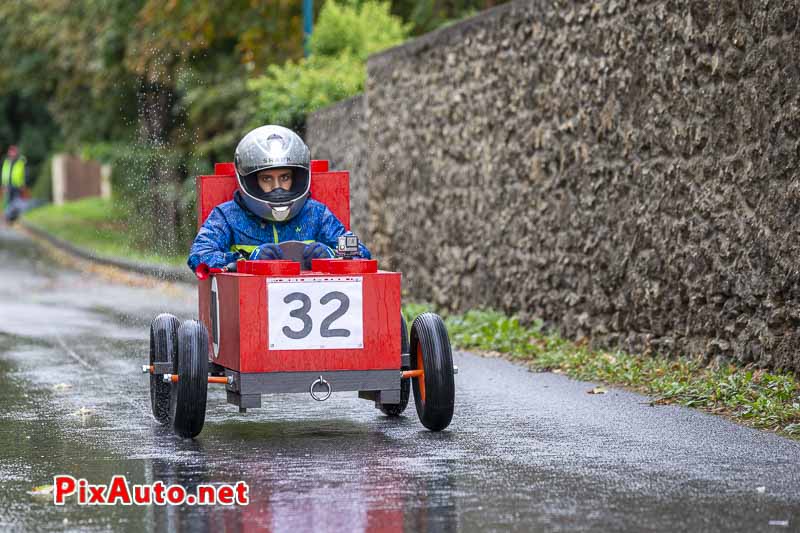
(315,313)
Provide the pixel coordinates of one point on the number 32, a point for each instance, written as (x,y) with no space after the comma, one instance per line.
(301,313)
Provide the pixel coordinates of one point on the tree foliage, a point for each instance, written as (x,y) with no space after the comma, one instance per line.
(157,87)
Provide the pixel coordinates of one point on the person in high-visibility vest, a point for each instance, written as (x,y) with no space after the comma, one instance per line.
(12,175)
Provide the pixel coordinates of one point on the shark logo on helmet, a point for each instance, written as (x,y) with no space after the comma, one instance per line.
(275,146)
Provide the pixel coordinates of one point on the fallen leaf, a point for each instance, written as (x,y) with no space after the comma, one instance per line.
(557,371)
(41,490)
(62,386)
(761,490)
(660,401)
(597,390)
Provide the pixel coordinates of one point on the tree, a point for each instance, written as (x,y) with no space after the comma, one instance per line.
(134,83)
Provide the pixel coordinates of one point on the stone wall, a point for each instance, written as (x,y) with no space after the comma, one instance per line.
(626,170)
(337,133)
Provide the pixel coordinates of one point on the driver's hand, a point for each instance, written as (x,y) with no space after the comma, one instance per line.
(266,252)
(315,250)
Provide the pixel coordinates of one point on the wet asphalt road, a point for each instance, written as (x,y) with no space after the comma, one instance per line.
(525,452)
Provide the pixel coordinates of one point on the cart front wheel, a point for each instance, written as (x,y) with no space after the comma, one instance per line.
(163,348)
(434,390)
(188,394)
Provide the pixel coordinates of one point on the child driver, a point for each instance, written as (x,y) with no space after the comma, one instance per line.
(271,205)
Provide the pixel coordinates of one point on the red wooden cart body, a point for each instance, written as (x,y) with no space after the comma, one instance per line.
(244,337)
(243,343)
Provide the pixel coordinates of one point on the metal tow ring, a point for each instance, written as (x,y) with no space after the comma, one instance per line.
(320,381)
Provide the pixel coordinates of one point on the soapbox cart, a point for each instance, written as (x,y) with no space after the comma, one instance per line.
(271,327)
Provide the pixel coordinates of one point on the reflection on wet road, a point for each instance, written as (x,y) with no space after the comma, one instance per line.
(525,451)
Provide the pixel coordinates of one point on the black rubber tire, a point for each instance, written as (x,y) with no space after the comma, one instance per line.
(188,396)
(163,349)
(396,409)
(429,338)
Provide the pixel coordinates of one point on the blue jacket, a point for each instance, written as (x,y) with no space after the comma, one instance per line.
(232,227)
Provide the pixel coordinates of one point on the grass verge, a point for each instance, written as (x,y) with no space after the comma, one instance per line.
(96,225)
(754,397)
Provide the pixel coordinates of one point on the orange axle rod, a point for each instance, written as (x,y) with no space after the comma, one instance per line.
(211,379)
(413,373)
(174,378)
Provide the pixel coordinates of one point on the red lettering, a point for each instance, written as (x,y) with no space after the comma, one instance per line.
(118,491)
(96,494)
(142,494)
(225,495)
(158,493)
(64,486)
(242,497)
(206,495)
(176,494)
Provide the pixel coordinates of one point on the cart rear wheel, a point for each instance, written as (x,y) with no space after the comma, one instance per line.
(188,395)
(396,409)
(163,348)
(434,391)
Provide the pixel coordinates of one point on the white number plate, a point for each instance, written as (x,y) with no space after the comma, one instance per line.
(315,313)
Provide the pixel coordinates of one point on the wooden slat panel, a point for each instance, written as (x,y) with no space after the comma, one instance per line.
(381,314)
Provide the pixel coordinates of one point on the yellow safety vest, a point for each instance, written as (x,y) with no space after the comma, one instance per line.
(13,173)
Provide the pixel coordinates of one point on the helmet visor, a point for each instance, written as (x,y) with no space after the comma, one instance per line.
(277,196)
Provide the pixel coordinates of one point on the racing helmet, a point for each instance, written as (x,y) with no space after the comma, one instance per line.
(273,147)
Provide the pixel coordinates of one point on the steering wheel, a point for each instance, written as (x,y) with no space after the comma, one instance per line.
(293,250)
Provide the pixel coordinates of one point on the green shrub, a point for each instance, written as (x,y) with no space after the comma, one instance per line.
(345,35)
(289,92)
(358,29)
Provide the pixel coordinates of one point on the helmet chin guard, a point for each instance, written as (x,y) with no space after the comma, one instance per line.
(281,213)
(266,148)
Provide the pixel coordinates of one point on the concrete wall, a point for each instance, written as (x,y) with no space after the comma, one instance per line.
(625,170)
(75,178)
(338,134)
